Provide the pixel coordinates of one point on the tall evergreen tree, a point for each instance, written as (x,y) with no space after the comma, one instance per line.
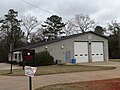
(10,28)
(53,27)
(99,30)
(114,39)
(10,31)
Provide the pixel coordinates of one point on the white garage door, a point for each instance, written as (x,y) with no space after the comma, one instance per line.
(97,51)
(81,51)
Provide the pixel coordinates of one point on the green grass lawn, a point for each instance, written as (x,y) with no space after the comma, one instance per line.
(56,69)
(115,60)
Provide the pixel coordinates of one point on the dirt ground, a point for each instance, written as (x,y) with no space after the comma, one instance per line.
(108,84)
(112,84)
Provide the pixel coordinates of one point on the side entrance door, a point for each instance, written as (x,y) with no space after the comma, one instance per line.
(68,58)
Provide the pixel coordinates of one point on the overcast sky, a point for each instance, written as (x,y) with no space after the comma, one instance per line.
(102,11)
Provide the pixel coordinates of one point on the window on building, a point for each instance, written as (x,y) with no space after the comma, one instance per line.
(20,57)
(15,56)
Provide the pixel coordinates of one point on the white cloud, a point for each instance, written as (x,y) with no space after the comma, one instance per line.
(102,11)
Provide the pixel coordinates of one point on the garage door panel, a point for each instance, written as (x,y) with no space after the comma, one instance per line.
(97,51)
(81,51)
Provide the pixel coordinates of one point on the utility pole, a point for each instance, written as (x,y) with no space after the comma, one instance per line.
(11,46)
(119,42)
(11,53)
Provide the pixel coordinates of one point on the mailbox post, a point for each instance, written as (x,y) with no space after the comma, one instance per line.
(28,61)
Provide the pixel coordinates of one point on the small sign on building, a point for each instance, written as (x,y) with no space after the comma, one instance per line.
(28,57)
(28,54)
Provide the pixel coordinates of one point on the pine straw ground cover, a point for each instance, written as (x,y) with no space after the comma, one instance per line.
(109,84)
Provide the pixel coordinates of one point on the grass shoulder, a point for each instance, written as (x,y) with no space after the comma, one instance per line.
(115,60)
(57,69)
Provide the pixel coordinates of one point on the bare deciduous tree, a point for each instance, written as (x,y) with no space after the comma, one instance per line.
(29,23)
(113,27)
(69,28)
(81,23)
(37,36)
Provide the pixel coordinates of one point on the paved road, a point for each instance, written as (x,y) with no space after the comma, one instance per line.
(21,82)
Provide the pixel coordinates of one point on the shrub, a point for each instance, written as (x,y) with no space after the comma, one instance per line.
(43,58)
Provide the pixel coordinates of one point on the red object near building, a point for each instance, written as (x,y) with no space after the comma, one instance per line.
(28,54)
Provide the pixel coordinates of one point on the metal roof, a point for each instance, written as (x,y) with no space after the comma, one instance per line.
(55,40)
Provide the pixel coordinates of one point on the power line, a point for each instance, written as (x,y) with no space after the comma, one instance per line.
(39,7)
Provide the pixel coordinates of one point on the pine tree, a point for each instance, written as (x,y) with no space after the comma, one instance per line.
(11,32)
(53,27)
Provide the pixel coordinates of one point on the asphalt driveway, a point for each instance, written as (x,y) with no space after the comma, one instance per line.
(21,82)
